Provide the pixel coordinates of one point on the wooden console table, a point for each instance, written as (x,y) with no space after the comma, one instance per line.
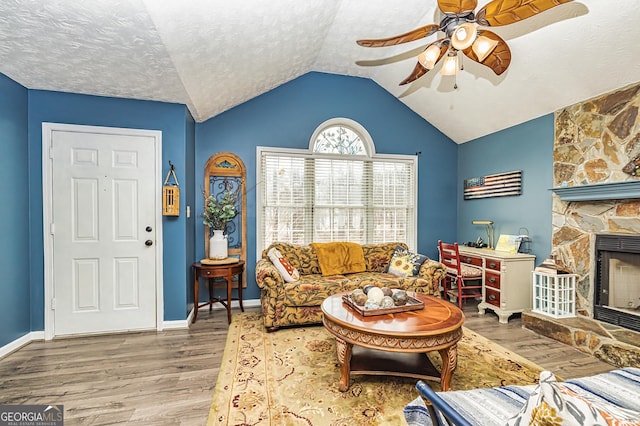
(228,272)
(506,280)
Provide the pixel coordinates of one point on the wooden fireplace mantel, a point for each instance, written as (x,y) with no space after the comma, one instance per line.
(601,191)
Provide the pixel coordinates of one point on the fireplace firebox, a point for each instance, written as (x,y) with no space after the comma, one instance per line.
(617,280)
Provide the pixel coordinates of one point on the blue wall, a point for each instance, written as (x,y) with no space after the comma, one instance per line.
(69,108)
(283,117)
(14,212)
(527,147)
(287,117)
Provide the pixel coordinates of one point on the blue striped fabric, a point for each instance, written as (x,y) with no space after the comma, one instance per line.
(494,406)
(619,388)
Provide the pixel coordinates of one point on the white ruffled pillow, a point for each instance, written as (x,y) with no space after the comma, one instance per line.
(288,272)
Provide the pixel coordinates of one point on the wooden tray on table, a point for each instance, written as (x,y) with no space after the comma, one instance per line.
(413,304)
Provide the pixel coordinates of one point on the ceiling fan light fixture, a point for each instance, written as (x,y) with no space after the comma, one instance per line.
(450,65)
(463,28)
(464,36)
(429,57)
(483,46)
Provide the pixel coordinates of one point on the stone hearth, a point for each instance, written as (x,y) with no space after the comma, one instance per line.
(612,344)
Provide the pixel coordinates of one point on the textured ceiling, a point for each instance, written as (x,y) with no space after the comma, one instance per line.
(213,55)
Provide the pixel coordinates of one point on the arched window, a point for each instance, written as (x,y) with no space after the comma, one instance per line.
(337,190)
(341,136)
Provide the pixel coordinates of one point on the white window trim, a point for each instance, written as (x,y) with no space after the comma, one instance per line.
(305,153)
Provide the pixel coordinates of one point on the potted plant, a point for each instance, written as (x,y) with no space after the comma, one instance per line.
(217,212)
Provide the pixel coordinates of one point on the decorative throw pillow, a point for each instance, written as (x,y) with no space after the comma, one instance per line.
(340,257)
(551,403)
(405,263)
(286,269)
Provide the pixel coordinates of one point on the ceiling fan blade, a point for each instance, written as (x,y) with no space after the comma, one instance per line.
(505,12)
(498,60)
(418,72)
(416,34)
(457,6)
(419,69)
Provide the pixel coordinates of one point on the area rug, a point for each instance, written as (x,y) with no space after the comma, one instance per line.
(290,377)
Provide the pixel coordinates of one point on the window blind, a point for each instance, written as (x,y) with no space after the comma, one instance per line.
(310,197)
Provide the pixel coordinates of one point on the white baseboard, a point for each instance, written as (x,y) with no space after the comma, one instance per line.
(20,342)
(171,325)
(251,303)
(175,325)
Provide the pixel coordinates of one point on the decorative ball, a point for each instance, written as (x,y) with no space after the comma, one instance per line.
(387,291)
(375,294)
(359,298)
(387,302)
(371,305)
(400,297)
(366,288)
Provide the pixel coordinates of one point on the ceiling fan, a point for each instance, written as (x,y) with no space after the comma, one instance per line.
(463,33)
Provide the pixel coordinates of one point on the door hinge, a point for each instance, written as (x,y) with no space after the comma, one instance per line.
(51,151)
(53,304)
(52,229)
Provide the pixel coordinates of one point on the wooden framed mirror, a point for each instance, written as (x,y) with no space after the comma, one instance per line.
(225,171)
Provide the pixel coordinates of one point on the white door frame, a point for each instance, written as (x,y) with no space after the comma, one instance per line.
(47,211)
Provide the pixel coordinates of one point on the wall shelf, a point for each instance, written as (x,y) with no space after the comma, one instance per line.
(602,191)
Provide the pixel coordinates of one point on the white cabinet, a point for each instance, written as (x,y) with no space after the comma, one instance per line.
(506,280)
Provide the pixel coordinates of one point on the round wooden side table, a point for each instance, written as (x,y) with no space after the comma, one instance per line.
(227,271)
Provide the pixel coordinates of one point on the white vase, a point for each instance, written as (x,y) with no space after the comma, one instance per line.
(218,246)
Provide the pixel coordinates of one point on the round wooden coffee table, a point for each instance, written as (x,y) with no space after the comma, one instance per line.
(395,344)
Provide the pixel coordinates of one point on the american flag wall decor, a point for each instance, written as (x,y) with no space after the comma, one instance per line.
(498,185)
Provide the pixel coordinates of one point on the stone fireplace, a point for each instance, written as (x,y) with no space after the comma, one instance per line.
(596,226)
(594,140)
(617,280)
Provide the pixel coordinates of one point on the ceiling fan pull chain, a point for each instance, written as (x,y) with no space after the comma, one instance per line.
(455,76)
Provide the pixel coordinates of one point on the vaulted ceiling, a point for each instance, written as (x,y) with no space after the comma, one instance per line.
(213,55)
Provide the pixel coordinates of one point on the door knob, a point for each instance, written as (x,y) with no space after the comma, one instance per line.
(148,229)
(148,243)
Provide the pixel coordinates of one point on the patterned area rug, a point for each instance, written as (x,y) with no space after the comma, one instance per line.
(290,377)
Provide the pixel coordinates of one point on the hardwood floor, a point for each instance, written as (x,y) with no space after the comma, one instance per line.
(563,360)
(168,377)
(142,378)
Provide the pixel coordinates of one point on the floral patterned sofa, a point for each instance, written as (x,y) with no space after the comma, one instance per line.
(294,303)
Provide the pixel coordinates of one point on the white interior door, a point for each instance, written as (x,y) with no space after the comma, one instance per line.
(103,230)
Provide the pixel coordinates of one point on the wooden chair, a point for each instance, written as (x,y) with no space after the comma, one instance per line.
(454,284)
